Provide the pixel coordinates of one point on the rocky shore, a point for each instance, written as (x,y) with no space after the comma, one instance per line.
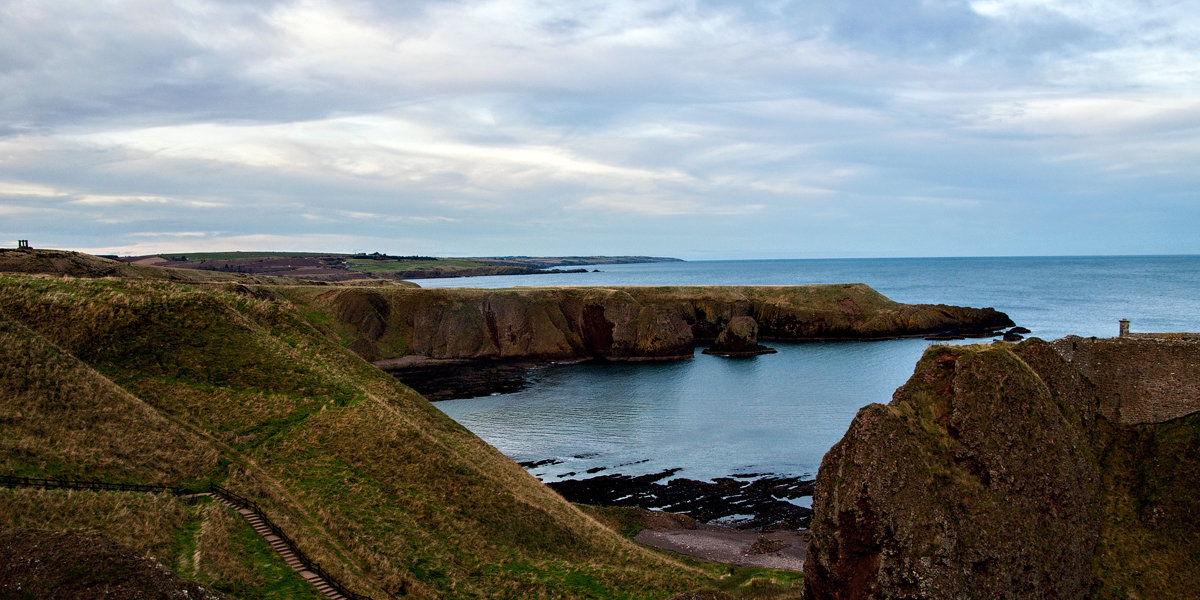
(439,380)
(750,501)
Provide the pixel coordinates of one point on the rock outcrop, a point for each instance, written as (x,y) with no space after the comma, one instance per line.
(739,338)
(995,472)
(629,323)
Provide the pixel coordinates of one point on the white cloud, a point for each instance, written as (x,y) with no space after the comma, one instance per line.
(172,234)
(227,243)
(1089,116)
(20,188)
(657,206)
(135,199)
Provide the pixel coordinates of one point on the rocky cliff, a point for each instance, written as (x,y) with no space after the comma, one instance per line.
(998,472)
(625,323)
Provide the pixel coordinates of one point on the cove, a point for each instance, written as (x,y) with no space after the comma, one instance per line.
(707,416)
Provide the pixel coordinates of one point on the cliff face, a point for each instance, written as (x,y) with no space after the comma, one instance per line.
(632,323)
(996,472)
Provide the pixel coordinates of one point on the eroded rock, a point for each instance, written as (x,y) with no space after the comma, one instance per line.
(976,481)
(739,338)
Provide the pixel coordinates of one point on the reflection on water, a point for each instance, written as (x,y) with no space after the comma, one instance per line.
(712,416)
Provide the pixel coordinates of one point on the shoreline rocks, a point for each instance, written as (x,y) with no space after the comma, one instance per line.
(757,501)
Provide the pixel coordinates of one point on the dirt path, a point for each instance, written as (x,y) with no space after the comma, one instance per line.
(713,543)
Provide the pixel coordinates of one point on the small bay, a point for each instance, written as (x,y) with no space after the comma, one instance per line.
(714,417)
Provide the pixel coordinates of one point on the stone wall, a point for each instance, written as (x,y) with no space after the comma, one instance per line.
(1141,378)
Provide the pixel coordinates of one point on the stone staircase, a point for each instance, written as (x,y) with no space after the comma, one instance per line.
(281,548)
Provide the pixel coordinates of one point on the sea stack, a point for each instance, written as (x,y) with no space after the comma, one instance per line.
(739,337)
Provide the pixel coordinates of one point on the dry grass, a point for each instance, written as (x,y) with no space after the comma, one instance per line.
(370,479)
(146,522)
(61,418)
(202,541)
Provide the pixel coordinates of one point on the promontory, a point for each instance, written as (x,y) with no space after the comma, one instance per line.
(615,323)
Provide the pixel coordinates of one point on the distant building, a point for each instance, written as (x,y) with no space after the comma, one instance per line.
(22,243)
(1124,331)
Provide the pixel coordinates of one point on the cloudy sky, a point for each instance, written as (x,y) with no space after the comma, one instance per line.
(696,129)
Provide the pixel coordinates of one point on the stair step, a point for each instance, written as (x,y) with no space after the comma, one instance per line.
(285,551)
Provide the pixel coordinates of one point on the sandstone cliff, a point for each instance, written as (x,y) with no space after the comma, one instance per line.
(626,323)
(1001,472)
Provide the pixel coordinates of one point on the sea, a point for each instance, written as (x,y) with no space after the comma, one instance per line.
(778,414)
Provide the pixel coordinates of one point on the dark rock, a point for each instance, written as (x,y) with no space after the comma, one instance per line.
(702,500)
(975,482)
(739,338)
(533,464)
(448,380)
(944,337)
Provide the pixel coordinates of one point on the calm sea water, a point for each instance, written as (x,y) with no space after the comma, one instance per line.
(780,413)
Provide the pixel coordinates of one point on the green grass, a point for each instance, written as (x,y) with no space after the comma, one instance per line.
(275,579)
(1150,543)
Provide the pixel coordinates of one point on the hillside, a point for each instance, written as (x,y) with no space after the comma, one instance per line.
(154,380)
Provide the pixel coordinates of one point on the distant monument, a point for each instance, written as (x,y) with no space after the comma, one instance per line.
(22,243)
(1124,331)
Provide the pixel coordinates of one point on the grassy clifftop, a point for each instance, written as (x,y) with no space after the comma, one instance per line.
(616,323)
(157,380)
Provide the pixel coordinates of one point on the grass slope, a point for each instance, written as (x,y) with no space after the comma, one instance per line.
(1149,541)
(58,263)
(157,380)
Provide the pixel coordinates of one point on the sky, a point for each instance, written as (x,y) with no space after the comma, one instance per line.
(694,129)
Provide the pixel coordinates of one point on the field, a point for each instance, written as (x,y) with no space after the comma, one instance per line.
(343,267)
